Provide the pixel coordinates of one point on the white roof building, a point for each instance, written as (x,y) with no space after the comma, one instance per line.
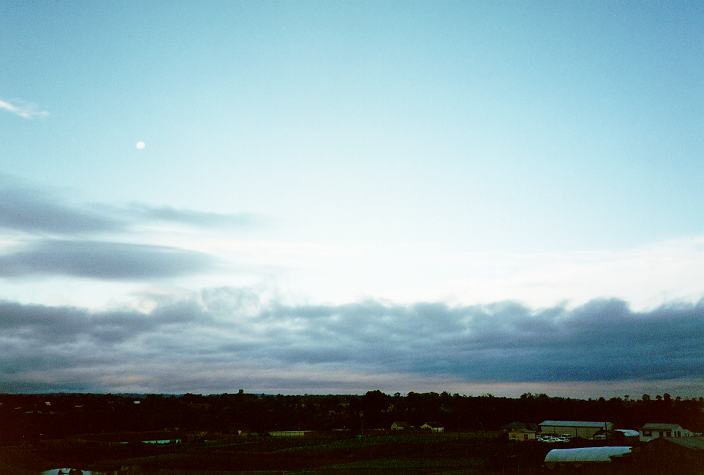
(586,454)
(628,432)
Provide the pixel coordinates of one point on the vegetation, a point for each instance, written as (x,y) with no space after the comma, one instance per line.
(28,418)
(349,433)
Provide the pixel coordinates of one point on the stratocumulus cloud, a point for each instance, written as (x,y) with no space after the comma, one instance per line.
(221,339)
(102,260)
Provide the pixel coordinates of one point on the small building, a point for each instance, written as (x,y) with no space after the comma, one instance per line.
(521,434)
(585,455)
(656,430)
(400,425)
(432,427)
(161,441)
(290,433)
(582,429)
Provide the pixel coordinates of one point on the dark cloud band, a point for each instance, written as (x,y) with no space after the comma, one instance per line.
(220,332)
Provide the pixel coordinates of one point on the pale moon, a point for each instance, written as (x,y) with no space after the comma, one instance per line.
(140,145)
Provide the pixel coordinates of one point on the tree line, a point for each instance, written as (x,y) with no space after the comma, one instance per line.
(28,418)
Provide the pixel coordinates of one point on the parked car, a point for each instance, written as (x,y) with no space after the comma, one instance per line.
(553,439)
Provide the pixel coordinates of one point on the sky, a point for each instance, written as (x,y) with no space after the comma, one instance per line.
(338,196)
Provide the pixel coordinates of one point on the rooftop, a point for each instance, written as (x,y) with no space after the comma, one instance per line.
(575,423)
(661,426)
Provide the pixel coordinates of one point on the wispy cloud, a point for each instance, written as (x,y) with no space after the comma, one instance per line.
(225,337)
(26,110)
(141,211)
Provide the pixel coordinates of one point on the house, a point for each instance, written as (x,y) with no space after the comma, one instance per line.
(432,427)
(521,431)
(583,429)
(655,430)
(521,434)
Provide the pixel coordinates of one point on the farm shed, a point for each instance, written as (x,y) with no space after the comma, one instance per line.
(583,429)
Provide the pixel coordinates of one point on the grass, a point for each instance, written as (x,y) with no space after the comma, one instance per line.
(407,463)
(394,453)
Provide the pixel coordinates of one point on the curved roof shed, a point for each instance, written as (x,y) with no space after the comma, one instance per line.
(586,454)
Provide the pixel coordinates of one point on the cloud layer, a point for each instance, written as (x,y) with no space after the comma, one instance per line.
(102,260)
(50,235)
(31,209)
(226,338)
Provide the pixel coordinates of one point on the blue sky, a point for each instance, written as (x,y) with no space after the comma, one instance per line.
(333,154)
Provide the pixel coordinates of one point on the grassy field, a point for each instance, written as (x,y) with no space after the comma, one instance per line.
(400,453)
(404,465)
